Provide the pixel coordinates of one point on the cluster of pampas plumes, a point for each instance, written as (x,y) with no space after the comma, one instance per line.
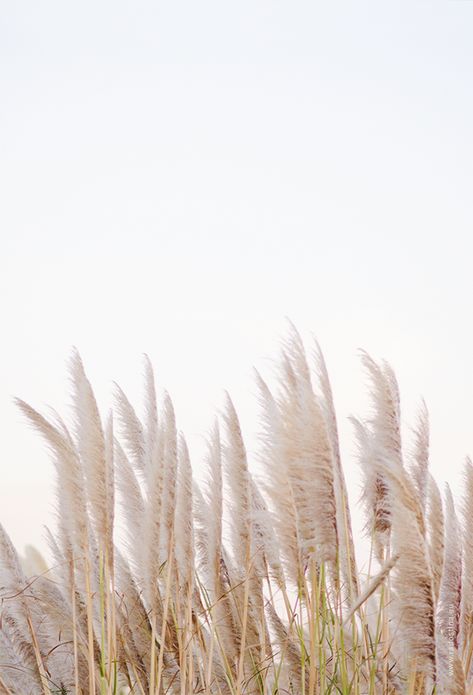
(246,582)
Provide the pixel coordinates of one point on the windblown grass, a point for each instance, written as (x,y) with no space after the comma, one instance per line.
(241,585)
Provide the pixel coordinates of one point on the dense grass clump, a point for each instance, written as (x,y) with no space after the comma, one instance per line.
(240,585)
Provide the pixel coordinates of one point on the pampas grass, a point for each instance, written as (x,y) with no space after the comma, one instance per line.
(246,581)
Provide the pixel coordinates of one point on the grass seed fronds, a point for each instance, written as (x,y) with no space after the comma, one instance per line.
(245,582)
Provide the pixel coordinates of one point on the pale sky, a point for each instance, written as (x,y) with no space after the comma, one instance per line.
(176,178)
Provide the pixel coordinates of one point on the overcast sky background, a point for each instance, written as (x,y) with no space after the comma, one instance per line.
(177,177)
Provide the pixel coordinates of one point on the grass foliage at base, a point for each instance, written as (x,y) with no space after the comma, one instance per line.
(248,582)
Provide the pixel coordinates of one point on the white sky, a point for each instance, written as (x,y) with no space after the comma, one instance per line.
(176,178)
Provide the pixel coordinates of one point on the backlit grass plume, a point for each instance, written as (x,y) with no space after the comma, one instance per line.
(244,581)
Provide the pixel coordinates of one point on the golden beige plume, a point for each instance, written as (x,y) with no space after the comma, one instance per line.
(169,436)
(151,430)
(96,456)
(451,677)
(72,508)
(132,506)
(420,464)
(385,421)
(344,525)
(376,495)
(215,503)
(413,610)
(435,533)
(130,428)
(277,482)
(448,611)
(265,549)
(152,521)
(236,468)
(183,522)
(21,612)
(309,458)
(467,538)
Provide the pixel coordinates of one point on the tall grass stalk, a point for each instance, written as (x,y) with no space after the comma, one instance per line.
(246,583)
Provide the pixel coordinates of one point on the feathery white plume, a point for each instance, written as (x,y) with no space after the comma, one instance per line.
(277,482)
(183,524)
(436,532)
(413,609)
(73,519)
(97,464)
(309,458)
(215,503)
(169,437)
(131,429)
(385,422)
(448,612)
(236,468)
(345,532)
(467,536)
(420,466)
